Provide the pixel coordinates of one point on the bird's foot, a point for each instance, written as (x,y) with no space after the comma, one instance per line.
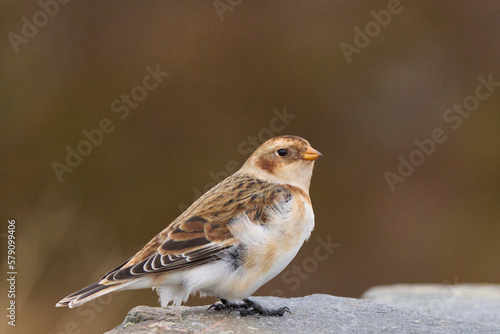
(256,308)
(249,307)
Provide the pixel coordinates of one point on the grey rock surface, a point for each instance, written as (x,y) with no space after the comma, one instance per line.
(478,303)
(311,314)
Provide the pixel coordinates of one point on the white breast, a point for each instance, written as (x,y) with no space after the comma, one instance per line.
(272,246)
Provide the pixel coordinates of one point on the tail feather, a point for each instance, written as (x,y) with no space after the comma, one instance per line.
(87,294)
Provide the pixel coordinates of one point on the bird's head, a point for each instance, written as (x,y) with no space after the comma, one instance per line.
(284,159)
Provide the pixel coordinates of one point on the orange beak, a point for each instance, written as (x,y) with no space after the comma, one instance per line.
(311,154)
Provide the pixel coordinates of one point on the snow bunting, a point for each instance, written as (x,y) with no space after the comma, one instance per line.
(232,240)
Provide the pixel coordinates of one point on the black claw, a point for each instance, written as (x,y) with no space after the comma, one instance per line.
(216,307)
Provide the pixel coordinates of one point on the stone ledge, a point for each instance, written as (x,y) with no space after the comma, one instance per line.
(478,303)
(315,313)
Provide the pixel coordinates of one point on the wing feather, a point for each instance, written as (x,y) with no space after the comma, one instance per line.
(201,234)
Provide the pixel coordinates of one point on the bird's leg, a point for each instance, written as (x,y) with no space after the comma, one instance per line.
(225,304)
(256,308)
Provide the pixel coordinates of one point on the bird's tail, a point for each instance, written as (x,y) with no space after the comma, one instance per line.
(87,294)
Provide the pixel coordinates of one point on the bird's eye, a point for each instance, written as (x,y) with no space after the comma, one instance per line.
(282,152)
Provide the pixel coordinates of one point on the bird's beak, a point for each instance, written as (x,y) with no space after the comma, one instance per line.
(311,154)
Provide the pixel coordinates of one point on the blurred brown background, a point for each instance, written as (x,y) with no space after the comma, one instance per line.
(228,71)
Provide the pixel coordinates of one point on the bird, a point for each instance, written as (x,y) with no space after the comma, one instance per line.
(232,240)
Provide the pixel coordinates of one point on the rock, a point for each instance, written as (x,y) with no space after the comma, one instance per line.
(311,314)
(478,303)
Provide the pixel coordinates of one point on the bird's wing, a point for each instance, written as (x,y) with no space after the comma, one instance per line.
(201,234)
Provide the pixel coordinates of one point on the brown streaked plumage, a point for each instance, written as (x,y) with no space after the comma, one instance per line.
(233,239)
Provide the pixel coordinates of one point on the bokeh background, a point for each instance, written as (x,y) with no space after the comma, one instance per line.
(228,71)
